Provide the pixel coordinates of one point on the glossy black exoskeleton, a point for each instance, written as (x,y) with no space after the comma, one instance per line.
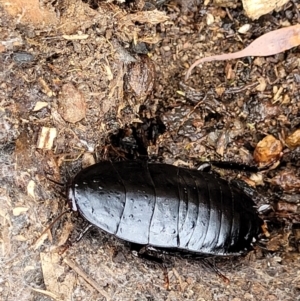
(166,207)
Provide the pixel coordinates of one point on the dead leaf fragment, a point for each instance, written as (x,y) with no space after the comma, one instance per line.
(293,140)
(19,238)
(46,138)
(5,239)
(72,105)
(267,150)
(52,271)
(287,207)
(278,242)
(287,180)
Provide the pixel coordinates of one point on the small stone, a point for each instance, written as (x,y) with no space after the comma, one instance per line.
(243,29)
(267,150)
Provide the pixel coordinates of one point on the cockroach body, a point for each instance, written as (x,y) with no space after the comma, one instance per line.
(166,207)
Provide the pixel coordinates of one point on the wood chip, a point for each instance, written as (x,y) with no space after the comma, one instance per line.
(40,105)
(19,210)
(286,207)
(262,84)
(75,37)
(46,138)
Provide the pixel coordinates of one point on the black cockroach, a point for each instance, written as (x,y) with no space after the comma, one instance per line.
(166,207)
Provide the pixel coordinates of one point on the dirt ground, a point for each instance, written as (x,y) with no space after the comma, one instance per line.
(85,81)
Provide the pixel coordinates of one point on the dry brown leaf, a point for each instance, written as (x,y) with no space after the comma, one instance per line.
(278,242)
(270,43)
(287,180)
(53,272)
(286,207)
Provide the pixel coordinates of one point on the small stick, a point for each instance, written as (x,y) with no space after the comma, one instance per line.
(46,293)
(50,226)
(90,281)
